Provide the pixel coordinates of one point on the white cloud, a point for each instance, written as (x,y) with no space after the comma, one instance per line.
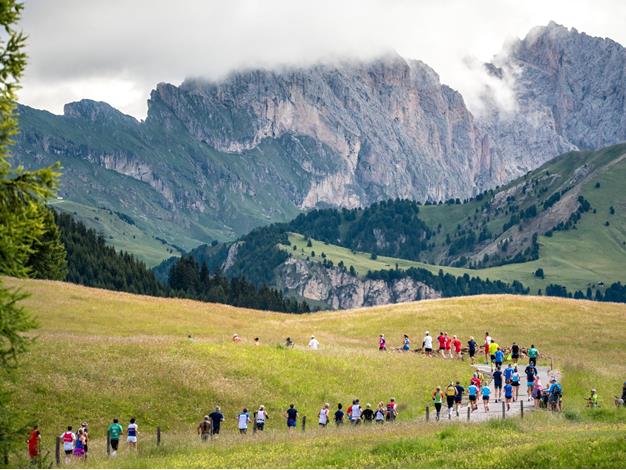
(116,51)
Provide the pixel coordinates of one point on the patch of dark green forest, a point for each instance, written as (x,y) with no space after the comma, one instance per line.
(93,263)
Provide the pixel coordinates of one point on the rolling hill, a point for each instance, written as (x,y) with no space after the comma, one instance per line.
(563,224)
(125,355)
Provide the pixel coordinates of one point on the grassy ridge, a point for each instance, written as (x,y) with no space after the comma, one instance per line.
(102,353)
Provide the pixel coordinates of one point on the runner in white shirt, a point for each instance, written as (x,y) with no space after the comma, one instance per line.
(355,416)
(68,438)
(314,343)
(261,416)
(427,344)
(243,420)
(323,415)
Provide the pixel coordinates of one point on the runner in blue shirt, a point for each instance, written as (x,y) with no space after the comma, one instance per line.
(497,383)
(472,392)
(458,398)
(508,373)
(508,394)
(486,391)
(499,357)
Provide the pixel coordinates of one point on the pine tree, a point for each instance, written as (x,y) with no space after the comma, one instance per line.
(23,225)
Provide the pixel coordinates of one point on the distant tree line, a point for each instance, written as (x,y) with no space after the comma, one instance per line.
(91,262)
(388,228)
(616,292)
(192,280)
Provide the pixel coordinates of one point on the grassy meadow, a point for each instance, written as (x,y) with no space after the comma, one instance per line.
(100,354)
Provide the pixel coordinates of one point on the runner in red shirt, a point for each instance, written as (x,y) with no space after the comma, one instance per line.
(448,343)
(456,342)
(442,343)
(33,443)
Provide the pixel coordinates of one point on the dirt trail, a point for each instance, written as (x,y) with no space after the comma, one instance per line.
(495,409)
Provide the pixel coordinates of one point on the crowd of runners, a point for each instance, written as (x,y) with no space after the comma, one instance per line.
(506,380)
(354,414)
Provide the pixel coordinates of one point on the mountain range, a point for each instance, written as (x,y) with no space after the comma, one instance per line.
(213,160)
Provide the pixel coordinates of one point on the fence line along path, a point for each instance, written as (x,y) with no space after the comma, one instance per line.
(495,409)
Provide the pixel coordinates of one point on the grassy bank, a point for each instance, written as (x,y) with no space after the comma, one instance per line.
(99,354)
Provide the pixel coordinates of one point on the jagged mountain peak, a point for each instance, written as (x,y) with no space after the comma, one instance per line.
(93,111)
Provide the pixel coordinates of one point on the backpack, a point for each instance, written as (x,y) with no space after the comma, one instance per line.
(450,391)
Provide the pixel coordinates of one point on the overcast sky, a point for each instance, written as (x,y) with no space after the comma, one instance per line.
(116,51)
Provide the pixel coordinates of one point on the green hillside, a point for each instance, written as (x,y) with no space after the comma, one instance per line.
(100,354)
(590,252)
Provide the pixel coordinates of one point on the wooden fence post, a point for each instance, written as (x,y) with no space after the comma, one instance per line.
(427,413)
(108,442)
(303,423)
(158,436)
(469,412)
(503,410)
(57,451)
(521,407)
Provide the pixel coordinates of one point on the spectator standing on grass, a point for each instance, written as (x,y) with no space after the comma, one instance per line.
(132,434)
(533,354)
(68,438)
(115,431)
(323,415)
(216,421)
(204,429)
(382,343)
(34,442)
(292,417)
(339,415)
(242,421)
(406,343)
(314,344)
(427,344)
(437,400)
(555,392)
(471,345)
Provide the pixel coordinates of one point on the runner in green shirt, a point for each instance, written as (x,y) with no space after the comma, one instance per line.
(533,353)
(115,430)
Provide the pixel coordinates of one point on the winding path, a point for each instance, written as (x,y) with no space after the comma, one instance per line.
(495,409)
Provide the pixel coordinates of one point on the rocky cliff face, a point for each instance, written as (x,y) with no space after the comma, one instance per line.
(394,130)
(215,159)
(340,290)
(569,90)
